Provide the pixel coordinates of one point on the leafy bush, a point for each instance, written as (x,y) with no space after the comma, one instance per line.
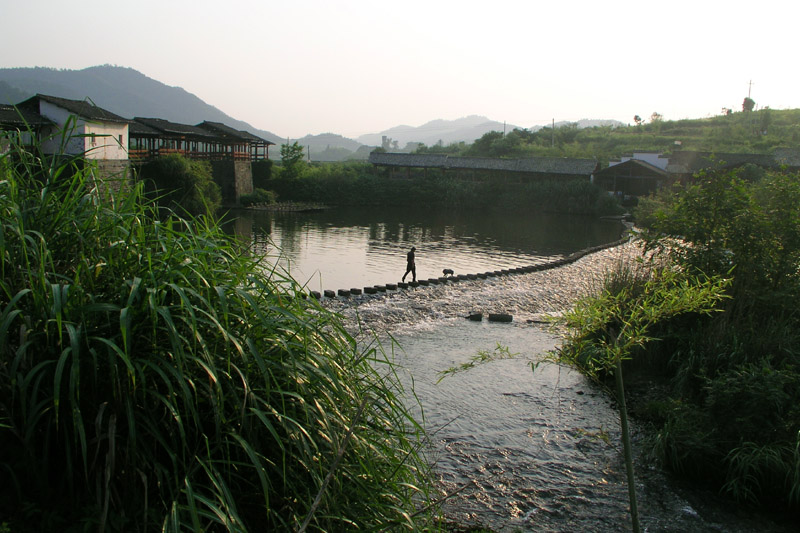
(182,185)
(258,197)
(153,377)
(736,374)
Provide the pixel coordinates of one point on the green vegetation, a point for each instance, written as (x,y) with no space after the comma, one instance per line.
(360,184)
(262,172)
(152,377)
(745,132)
(483,357)
(182,185)
(292,164)
(729,414)
(607,329)
(258,197)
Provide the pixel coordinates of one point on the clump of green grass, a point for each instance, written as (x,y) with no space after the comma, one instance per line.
(153,378)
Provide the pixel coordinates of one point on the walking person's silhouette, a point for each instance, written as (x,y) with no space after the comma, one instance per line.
(411,265)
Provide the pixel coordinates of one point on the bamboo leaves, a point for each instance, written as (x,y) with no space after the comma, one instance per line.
(607,329)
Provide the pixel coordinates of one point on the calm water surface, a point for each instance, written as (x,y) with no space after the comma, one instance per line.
(356,247)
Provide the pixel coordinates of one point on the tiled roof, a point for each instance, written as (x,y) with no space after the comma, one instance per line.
(557,165)
(165,127)
(140,129)
(537,165)
(17,118)
(478,163)
(220,129)
(82,108)
(408,160)
(636,166)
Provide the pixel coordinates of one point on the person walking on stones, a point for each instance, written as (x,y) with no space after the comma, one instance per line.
(410,265)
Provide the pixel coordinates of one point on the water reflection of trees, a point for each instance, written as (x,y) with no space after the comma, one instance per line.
(540,234)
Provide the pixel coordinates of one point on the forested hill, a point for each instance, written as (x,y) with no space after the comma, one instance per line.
(760,131)
(124,91)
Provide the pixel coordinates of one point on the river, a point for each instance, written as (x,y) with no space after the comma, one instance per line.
(526,445)
(521,443)
(356,247)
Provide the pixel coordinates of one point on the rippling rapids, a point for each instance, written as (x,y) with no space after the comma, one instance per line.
(522,446)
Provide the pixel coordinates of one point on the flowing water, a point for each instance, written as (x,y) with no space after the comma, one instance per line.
(519,443)
(525,445)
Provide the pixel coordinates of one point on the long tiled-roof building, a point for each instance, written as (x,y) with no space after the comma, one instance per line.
(477,167)
(114,142)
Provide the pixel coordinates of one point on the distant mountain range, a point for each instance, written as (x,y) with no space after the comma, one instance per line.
(123,91)
(465,129)
(129,93)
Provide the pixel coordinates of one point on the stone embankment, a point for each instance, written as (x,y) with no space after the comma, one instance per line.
(294,207)
(526,296)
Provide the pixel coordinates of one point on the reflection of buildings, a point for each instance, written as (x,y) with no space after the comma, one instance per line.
(80,128)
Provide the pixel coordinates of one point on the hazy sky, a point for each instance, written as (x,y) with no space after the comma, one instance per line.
(355,67)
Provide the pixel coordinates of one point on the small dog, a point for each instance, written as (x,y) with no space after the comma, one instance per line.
(447,272)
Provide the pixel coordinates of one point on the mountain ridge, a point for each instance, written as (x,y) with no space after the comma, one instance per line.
(465,129)
(123,91)
(130,93)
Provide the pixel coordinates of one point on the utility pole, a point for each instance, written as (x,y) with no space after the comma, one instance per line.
(553,143)
(749,86)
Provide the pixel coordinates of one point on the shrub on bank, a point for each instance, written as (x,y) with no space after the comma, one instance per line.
(182,185)
(153,377)
(731,415)
(258,197)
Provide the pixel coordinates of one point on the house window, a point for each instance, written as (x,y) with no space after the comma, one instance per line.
(120,140)
(94,140)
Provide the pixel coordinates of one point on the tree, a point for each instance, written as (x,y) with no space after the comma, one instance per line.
(483,147)
(638,120)
(567,133)
(748,104)
(656,117)
(182,184)
(292,160)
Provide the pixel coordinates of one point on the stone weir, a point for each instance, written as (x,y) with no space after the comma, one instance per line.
(374,291)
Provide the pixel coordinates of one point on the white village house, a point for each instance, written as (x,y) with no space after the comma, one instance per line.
(81,128)
(95,132)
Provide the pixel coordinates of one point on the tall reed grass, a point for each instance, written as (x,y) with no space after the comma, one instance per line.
(154,377)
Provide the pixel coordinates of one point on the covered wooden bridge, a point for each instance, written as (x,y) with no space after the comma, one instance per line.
(521,170)
(209,141)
